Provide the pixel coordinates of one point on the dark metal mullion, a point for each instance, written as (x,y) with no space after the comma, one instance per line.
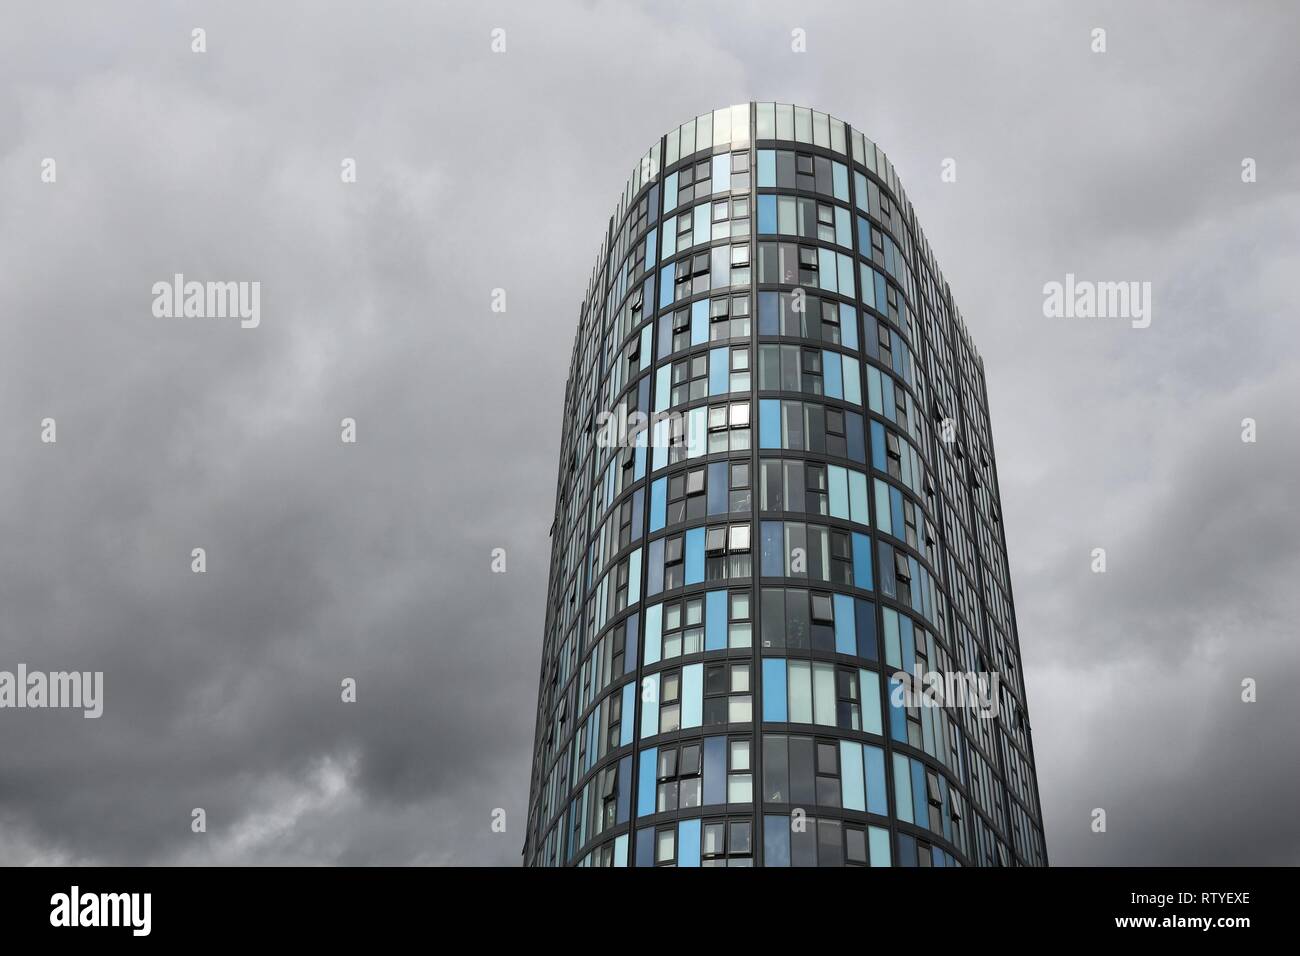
(755,542)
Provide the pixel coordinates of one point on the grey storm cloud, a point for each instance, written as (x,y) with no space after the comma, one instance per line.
(479,171)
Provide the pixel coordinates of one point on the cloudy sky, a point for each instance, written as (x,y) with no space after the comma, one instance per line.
(477,171)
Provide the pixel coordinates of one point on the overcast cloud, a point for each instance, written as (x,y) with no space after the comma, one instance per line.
(478,171)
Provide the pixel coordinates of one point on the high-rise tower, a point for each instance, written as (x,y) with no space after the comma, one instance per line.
(810,509)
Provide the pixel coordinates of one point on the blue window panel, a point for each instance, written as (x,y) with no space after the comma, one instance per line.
(776,840)
(858,510)
(647,359)
(658,504)
(629,709)
(638,499)
(645,846)
(888,386)
(696,435)
(769,311)
(655,567)
(663,387)
(719,371)
(766,215)
(670,192)
(624,788)
(649,706)
(670,240)
(861,561)
(692,695)
(860,194)
(916,573)
(769,423)
(715,621)
(877,439)
(899,350)
(659,456)
(647,344)
(869,682)
(903,788)
(634,577)
(882,303)
(666,286)
(719,267)
(700,322)
(908,641)
(864,236)
(893,646)
(946,809)
(688,841)
(845,265)
(868,298)
(695,556)
(887,584)
(927,729)
(896,510)
(645,792)
(572,841)
(840,181)
(854,436)
(874,761)
(773,560)
(620,849)
(653,633)
(921,813)
(878,845)
(838,482)
(717,485)
(897,712)
(767,167)
(865,618)
(722,173)
(702,230)
(650,251)
(884,520)
(852,792)
(715,771)
(848,327)
(845,633)
(629,652)
(826,270)
(833,385)
(852,380)
(774,707)
(787,220)
(937,855)
(843,231)
(875,401)
(640,456)
(928,593)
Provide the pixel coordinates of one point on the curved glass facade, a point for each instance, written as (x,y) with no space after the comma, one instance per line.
(777,492)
